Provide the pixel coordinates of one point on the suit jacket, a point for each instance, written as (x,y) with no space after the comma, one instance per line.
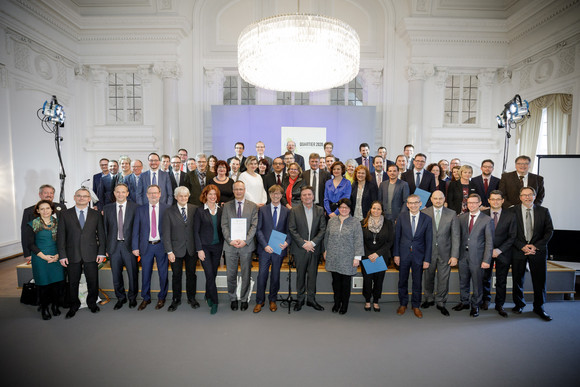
(510,186)
(374,178)
(298,228)
(97,181)
(131,181)
(192,183)
(399,198)
(28,215)
(78,244)
(416,247)
(505,231)
(250,213)
(106,188)
(543,230)
(270,180)
(493,184)
(242,163)
(178,235)
(427,182)
(455,195)
(323,177)
(370,194)
(266,225)
(298,184)
(111,226)
(203,227)
(163,182)
(175,184)
(446,237)
(371,166)
(142,227)
(476,246)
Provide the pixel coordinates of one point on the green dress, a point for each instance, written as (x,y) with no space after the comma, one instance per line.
(45,273)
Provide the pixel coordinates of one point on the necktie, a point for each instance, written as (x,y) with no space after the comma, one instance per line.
(154,181)
(495,219)
(413,225)
(379,178)
(275,217)
(153,223)
(278,181)
(418,180)
(82,219)
(485,184)
(529,227)
(177,177)
(521,181)
(120,223)
(183,214)
(239,209)
(471,223)
(365,162)
(437,219)
(315,186)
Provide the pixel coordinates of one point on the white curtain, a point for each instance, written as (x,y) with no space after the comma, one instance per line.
(559,118)
(529,132)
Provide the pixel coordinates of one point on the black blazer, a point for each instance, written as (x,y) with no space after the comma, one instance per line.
(370,194)
(192,183)
(112,229)
(427,182)
(374,178)
(298,228)
(295,190)
(455,195)
(384,241)
(505,231)
(78,244)
(242,163)
(493,184)
(543,230)
(177,235)
(510,186)
(270,180)
(203,227)
(371,162)
(323,176)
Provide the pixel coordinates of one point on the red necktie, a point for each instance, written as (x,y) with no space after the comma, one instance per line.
(471,223)
(485,184)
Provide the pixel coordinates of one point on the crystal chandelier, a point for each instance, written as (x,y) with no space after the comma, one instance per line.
(298,52)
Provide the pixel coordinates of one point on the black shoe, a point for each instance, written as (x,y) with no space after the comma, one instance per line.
(343,310)
(336,308)
(543,315)
(45,314)
(194,304)
(234,305)
(501,311)
(173,306)
(517,309)
(460,307)
(132,304)
(485,305)
(71,313)
(298,306)
(244,306)
(443,310)
(367,309)
(119,304)
(55,310)
(376,307)
(474,311)
(315,305)
(94,309)
(427,304)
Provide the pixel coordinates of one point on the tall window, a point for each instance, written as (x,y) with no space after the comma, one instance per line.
(238,92)
(292,98)
(350,94)
(125,98)
(542,148)
(461,99)
(231,90)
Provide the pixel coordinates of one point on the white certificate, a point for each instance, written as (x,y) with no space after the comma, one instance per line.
(238,229)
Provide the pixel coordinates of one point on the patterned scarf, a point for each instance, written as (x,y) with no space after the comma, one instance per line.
(375,226)
(39,225)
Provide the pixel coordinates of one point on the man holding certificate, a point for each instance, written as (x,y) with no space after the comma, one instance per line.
(273,239)
(239,222)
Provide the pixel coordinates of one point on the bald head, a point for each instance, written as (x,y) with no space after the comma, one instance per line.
(437,198)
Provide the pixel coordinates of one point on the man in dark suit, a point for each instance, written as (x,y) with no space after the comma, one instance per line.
(45,192)
(154,176)
(273,216)
(147,243)
(176,176)
(408,151)
(81,248)
(393,203)
(276,176)
(419,177)
(260,154)
(412,252)
(107,185)
(291,147)
(475,251)
(505,235)
(511,183)
(196,180)
(316,178)
(104,165)
(307,225)
(365,159)
(486,182)
(179,244)
(118,220)
(239,150)
(239,250)
(382,153)
(379,175)
(535,230)
(445,250)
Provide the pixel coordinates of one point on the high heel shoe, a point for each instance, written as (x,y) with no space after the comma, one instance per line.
(335,308)
(45,314)
(55,310)
(368,308)
(376,307)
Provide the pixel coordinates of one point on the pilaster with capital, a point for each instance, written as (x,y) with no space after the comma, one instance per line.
(416,74)
(372,80)
(99,77)
(214,80)
(169,72)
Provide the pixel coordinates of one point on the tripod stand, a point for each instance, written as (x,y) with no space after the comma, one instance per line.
(288,300)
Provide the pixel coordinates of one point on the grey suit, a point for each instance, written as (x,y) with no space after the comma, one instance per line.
(475,247)
(399,198)
(242,255)
(306,262)
(445,245)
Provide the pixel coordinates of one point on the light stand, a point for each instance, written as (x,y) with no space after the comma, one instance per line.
(52,119)
(515,112)
(288,300)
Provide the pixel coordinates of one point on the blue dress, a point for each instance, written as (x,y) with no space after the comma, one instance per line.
(44,273)
(334,194)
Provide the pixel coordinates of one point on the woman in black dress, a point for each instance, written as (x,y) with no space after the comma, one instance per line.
(224,184)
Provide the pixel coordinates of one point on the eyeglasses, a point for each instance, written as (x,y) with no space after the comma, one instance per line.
(414,203)
(530,195)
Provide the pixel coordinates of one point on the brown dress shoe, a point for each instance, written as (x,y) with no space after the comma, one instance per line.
(273,306)
(418,312)
(160,304)
(401,310)
(144,304)
(258,308)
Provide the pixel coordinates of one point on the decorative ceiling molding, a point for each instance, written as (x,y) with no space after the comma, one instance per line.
(552,50)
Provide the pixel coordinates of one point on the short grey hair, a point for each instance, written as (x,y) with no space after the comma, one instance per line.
(180,190)
(351,162)
(200,156)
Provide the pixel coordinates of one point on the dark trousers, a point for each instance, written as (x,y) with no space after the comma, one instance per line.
(156,252)
(416,268)
(306,263)
(372,285)
(470,273)
(213,254)
(49,294)
(502,268)
(538,269)
(341,289)
(267,260)
(91,270)
(120,258)
(190,277)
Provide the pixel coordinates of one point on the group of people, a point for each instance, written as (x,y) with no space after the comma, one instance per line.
(184,209)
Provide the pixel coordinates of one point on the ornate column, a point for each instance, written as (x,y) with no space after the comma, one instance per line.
(486,81)
(416,74)
(372,81)
(99,76)
(169,73)
(215,78)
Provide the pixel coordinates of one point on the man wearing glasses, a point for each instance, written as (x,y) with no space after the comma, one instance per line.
(419,177)
(511,183)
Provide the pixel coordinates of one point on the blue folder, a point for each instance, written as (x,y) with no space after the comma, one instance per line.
(276,238)
(424,195)
(376,266)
